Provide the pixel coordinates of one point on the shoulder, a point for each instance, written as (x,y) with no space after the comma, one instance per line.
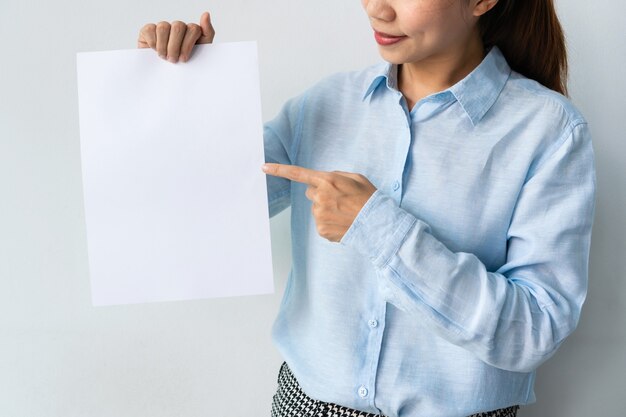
(337,90)
(348,85)
(529,96)
(332,97)
(547,117)
(543,119)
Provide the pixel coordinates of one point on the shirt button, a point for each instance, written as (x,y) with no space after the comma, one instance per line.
(363,391)
(372,323)
(396,185)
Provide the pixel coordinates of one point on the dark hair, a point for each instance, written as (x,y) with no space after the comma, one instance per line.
(530,36)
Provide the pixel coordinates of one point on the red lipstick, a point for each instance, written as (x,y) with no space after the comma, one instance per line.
(385,39)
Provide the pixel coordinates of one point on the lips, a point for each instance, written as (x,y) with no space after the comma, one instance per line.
(386,39)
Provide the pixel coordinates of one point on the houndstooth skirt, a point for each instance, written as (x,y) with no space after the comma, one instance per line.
(291,401)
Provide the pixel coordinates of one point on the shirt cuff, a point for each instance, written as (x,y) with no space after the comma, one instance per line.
(379,229)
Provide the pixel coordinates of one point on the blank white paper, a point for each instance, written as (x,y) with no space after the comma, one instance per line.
(175,199)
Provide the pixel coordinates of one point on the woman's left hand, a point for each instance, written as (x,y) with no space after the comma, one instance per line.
(337,196)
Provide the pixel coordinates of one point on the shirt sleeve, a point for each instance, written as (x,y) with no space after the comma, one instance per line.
(513,318)
(281,137)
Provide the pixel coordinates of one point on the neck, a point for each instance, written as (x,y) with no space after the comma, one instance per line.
(417,80)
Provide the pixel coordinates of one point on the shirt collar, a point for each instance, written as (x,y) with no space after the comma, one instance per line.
(385,72)
(476,93)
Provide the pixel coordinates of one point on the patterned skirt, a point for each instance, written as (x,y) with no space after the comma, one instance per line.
(291,401)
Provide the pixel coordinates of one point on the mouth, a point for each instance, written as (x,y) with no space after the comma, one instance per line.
(386,39)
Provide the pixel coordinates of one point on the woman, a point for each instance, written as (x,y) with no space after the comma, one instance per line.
(442,205)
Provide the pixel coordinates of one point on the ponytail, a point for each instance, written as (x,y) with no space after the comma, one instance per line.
(530,36)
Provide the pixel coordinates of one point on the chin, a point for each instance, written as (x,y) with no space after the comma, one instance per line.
(390,57)
(405,57)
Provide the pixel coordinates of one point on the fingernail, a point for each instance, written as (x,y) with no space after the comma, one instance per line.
(265,168)
(183,58)
(162,56)
(171,59)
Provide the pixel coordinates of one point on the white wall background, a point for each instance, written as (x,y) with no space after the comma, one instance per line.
(59,356)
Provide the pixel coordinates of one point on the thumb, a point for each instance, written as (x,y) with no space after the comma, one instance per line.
(208,33)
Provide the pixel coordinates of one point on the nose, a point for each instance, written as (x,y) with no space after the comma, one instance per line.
(379,10)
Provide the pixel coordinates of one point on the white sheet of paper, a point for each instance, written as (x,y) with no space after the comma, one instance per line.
(175,199)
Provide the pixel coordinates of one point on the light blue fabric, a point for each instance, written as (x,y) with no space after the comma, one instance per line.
(465,270)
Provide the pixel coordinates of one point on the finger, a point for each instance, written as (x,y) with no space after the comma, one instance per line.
(208,32)
(147,36)
(330,231)
(192,34)
(162,37)
(310,193)
(177,35)
(352,175)
(295,173)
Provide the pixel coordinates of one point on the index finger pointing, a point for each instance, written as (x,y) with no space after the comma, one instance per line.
(294,173)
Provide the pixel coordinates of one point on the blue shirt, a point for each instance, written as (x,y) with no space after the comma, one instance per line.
(465,270)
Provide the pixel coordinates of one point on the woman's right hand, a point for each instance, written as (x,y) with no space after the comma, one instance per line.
(176,40)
